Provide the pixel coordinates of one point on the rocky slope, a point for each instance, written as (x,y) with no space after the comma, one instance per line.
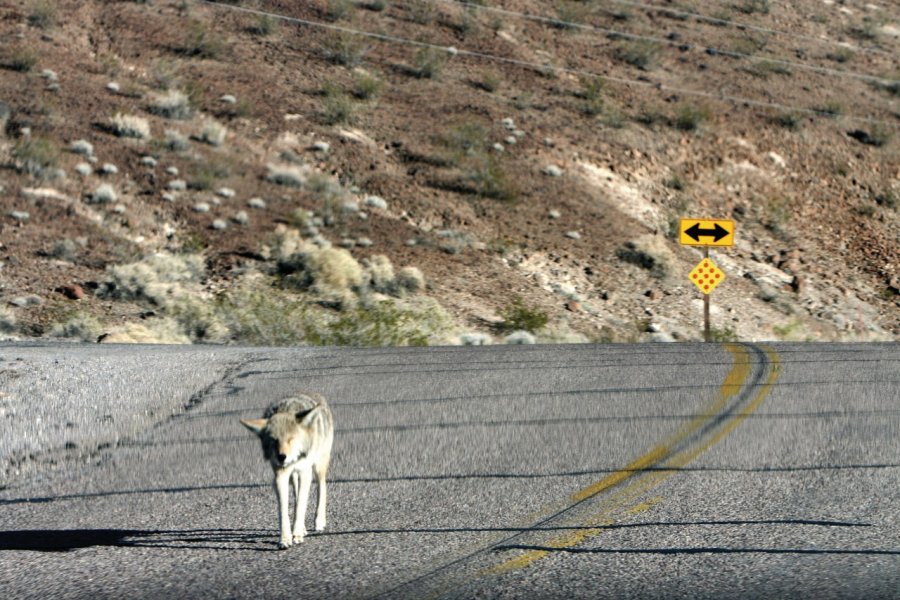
(514,161)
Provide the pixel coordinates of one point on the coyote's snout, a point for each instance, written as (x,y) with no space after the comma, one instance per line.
(296,435)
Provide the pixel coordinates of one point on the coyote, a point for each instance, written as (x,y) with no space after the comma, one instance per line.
(296,435)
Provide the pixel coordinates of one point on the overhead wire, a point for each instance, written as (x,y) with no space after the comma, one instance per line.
(738,24)
(454,51)
(614,33)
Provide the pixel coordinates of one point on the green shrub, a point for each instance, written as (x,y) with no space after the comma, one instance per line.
(36,156)
(642,54)
(366,86)
(21,60)
(382,324)
(689,117)
(428,62)
(200,42)
(42,14)
(592,94)
(264,25)
(346,49)
(337,106)
(519,317)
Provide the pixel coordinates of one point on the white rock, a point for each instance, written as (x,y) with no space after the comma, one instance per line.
(225,192)
(321,146)
(552,171)
(573,235)
(201,207)
(113,86)
(168,197)
(376,202)
(228,99)
(508,124)
(19,215)
(364,242)
(119,209)
(148,161)
(84,169)
(776,159)
(257,203)
(241,217)
(172,170)
(219,224)
(554,214)
(498,147)
(109,169)
(511,140)
(177,185)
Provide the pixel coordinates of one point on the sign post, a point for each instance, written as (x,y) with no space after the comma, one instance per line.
(706,275)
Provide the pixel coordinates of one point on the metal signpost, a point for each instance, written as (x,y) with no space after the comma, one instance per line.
(706,275)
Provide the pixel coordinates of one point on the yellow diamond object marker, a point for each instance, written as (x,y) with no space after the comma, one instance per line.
(706,276)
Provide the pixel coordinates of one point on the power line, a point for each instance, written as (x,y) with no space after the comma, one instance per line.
(543,68)
(739,25)
(613,33)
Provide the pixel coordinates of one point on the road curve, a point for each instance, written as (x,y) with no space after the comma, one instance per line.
(582,471)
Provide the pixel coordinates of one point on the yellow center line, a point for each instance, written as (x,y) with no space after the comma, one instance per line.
(640,485)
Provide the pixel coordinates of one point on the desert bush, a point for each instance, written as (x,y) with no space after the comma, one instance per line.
(200,42)
(36,157)
(689,117)
(336,10)
(81,326)
(7,320)
(381,275)
(129,126)
(592,94)
(158,279)
(104,194)
(387,323)
(337,106)
(428,62)
(346,49)
(330,273)
(42,14)
(750,7)
(21,60)
(365,85)
(517,316)
(258,314)
(642,54)
(153,331)
(519,338)
(82,148)
(421,11)
(288,175)
(790,121)
(263,25)
(176,141)
(213,133)
(174,104)
(411,280)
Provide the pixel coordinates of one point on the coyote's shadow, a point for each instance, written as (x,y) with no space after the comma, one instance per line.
(64,540)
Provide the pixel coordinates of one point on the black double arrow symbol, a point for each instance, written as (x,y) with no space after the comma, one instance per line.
(717,232)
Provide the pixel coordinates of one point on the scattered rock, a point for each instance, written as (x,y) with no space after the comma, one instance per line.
(552,171)
(19,215)
(177,185)
(573,235)
(148,161)
(228,99)
(225,192)
(109,169)
(72,292)
(201,207)
(554,214)
(257,203)
(321,147)
(241,217)
(508,123)
(219,224)
(376,202)
(114,87)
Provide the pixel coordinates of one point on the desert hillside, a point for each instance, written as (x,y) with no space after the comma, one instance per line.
(393,172)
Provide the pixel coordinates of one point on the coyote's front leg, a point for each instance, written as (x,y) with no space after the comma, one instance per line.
(301,479)
(284,520)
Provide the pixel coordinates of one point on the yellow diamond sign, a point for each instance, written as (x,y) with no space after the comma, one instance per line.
(706,276)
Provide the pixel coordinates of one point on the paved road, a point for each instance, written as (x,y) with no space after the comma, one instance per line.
(610,471)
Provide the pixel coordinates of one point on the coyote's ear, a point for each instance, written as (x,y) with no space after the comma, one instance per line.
(255,425)
(305,417)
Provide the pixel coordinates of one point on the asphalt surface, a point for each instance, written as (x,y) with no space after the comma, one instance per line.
(590,471)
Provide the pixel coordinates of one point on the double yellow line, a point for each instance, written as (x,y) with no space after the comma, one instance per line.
(633,480)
